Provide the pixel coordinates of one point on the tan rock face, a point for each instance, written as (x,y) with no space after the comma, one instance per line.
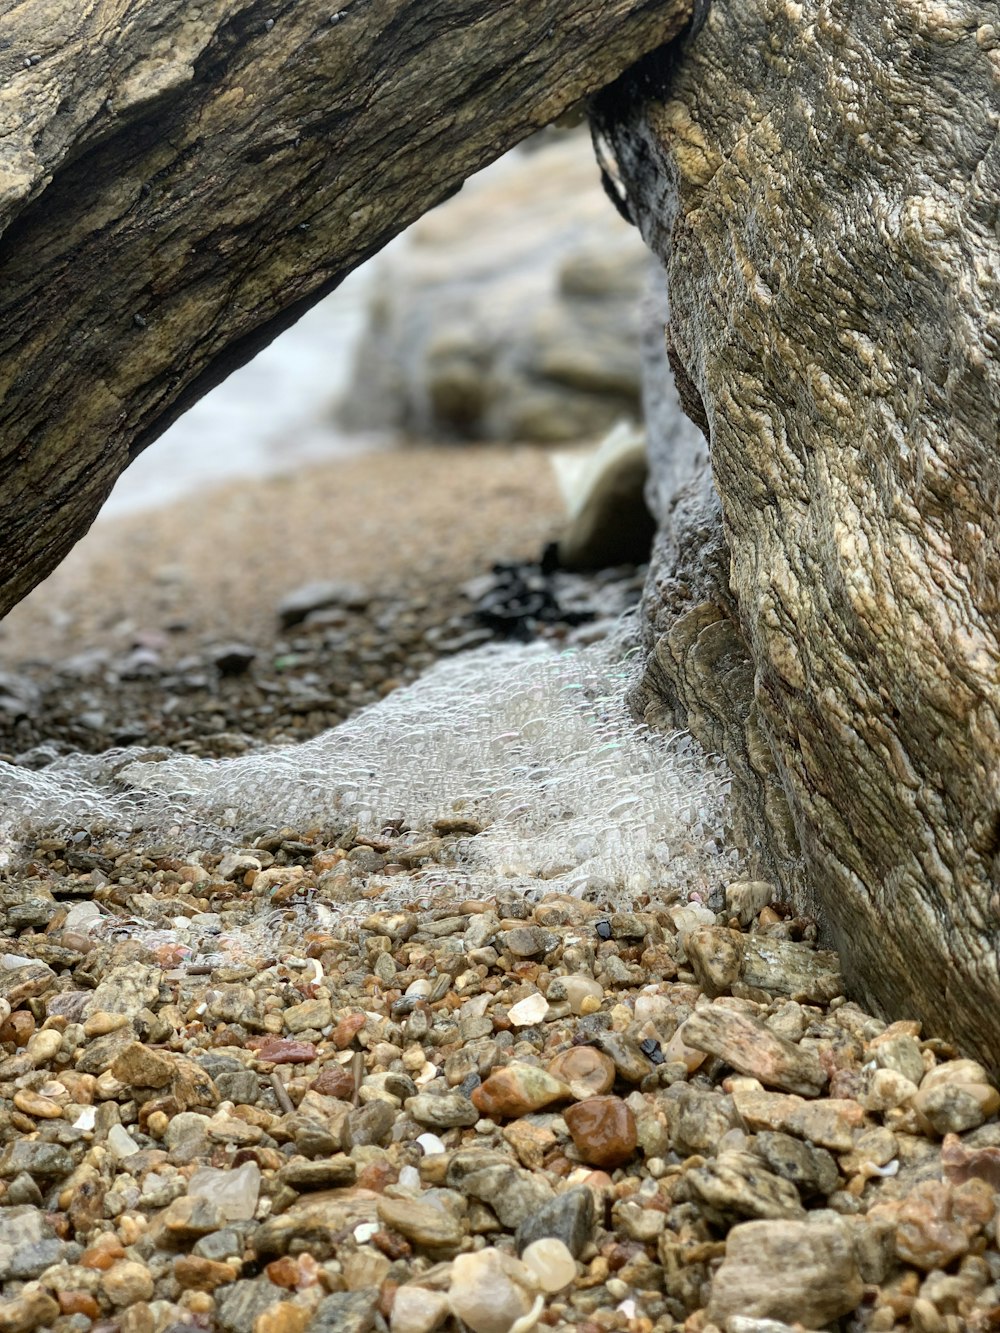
(833,275)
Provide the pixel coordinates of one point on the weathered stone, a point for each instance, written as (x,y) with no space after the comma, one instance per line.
(346,1312)
(512,1193)
(42,1161)
(317,1220)
(829,1122)
(786,968)
(490,1291)
(417,1310)
(812,1170)
(442,1110)
(750,1046)
(937,1221)
(828,629)
(239,1306)
(326,1173)
(21,1228)
(737,1183)
(423,1223)
(516,1090)
(697,1118)
(796,1271)
(568,1217)
(585,1071)
(31,1308)
(716,956)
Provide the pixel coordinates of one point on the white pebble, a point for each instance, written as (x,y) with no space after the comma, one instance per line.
(431,1144)
(121,1142)
(551,1262)
(409,1177)
(490,1292)
(87,1118)
(364,1231)
(528,1011)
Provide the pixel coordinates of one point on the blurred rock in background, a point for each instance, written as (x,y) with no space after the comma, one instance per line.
(509,313)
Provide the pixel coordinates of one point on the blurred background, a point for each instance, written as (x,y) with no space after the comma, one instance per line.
(373,491)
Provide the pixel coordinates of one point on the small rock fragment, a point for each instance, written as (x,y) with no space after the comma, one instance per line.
(585,1071)
(746,1043)
(603,1130)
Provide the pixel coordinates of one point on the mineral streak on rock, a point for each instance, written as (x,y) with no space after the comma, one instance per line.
(821,182)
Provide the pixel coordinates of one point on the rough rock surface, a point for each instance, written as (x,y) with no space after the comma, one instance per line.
(827,217)
(505,315)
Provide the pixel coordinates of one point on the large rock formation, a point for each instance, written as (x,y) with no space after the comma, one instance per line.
(178,183)
(505,315)
(821,179)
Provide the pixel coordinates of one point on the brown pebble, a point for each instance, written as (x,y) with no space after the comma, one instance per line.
(516,1090)
(283,1051)
(392,1244)
(283,1272)
(34,1104)
(78,1302)
(334,1081)
(376,1175)
(603,1129)
(102,1255)
(347,1029)
(17,1028)
(196,1274)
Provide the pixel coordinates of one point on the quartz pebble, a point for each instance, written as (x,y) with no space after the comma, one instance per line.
(528,1011)
(417,1310)
(551,1262)
(491,1292)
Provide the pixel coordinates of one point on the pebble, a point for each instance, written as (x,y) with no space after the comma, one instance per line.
(127,1282)
(418,1310)
(585,1071)
(529,1011)
(799,1272)
(516,1090)
(569,1218)
(491,1292)
(551,1262)
(603,1130)
(747,1044)
(422,1223)
(577,991)
(445,1110)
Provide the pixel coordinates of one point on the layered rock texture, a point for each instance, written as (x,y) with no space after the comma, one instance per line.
(821,180)
(505,315)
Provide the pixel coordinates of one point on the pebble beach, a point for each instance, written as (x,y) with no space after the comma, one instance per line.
(240,1091)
